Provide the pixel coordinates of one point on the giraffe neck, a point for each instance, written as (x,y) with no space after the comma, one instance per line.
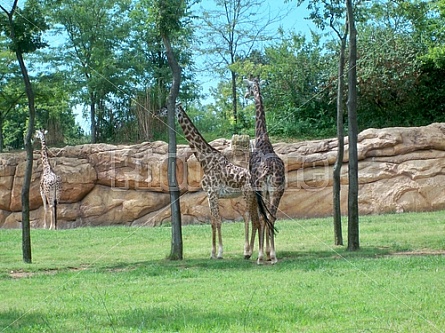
(195,139)
(262,138)
(44,155)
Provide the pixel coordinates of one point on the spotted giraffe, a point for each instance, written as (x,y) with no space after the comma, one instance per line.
(50,184)
(221,179)
(267,172)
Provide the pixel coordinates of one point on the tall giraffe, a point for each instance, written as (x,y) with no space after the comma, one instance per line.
(221,179)
(49,183)
(267,172)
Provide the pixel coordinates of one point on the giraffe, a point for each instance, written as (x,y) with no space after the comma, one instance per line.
(221,179)
(267,172)
(49,183)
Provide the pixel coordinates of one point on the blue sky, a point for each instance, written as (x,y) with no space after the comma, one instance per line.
(295,20)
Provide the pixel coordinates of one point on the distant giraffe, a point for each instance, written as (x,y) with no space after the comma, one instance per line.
(49,183)
(267,172)
(221,179)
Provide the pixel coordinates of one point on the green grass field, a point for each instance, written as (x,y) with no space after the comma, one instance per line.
(117,279)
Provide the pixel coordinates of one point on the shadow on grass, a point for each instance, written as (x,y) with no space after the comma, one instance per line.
(286,260)
(189,267)
(152,318)
(13,320)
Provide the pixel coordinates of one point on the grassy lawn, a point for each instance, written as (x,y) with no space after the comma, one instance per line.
(118,279)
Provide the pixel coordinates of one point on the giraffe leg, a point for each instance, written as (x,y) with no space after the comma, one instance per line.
(261,228)
(216,227)
(213,254)
(255,227)
(273,256)
(247,250)
(276,197)
(270,246)
(220,244)
(51,215)
(252,215)
(216,230)
(42,194)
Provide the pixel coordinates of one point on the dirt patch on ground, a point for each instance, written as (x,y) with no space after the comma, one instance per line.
(419,253)
(21,274)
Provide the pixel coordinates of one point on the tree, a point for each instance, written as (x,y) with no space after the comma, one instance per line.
(150,75)
(96,30)
(54,108)
(353,214)
(232,30)
(168,16)
(24,29)
(332,11)
(393,40)
(336,174)
(11,93)
(296,97)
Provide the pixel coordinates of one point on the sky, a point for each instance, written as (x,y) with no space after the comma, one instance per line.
(295,20)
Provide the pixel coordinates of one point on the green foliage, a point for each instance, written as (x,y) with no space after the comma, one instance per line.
(388,79)
(167,15)
(295,97)
(394,74)
(116,279)
(14,127)
(112,57)
(26,29)
(435,29)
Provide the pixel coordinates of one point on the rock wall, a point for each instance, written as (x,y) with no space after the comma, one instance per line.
(400,169)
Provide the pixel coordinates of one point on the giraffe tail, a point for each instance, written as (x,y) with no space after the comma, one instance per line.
(55,214)
(55,209)
(264,210)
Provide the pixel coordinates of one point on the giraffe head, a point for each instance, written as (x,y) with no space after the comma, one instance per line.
(40,134)
(253,86)
(163,112)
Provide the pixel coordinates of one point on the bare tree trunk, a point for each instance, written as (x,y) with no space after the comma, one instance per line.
(93,118)
(177,247)
(1,133)
(353,216)
(145,107)
(234,102)
(26,230)
(338,237)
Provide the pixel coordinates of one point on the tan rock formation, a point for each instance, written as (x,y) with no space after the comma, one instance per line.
(400,169)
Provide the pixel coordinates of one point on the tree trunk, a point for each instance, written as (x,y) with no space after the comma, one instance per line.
(338,237)
(26,232)
(1,133)
(177,247)
(353,216)
(234,103)
(93,118)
